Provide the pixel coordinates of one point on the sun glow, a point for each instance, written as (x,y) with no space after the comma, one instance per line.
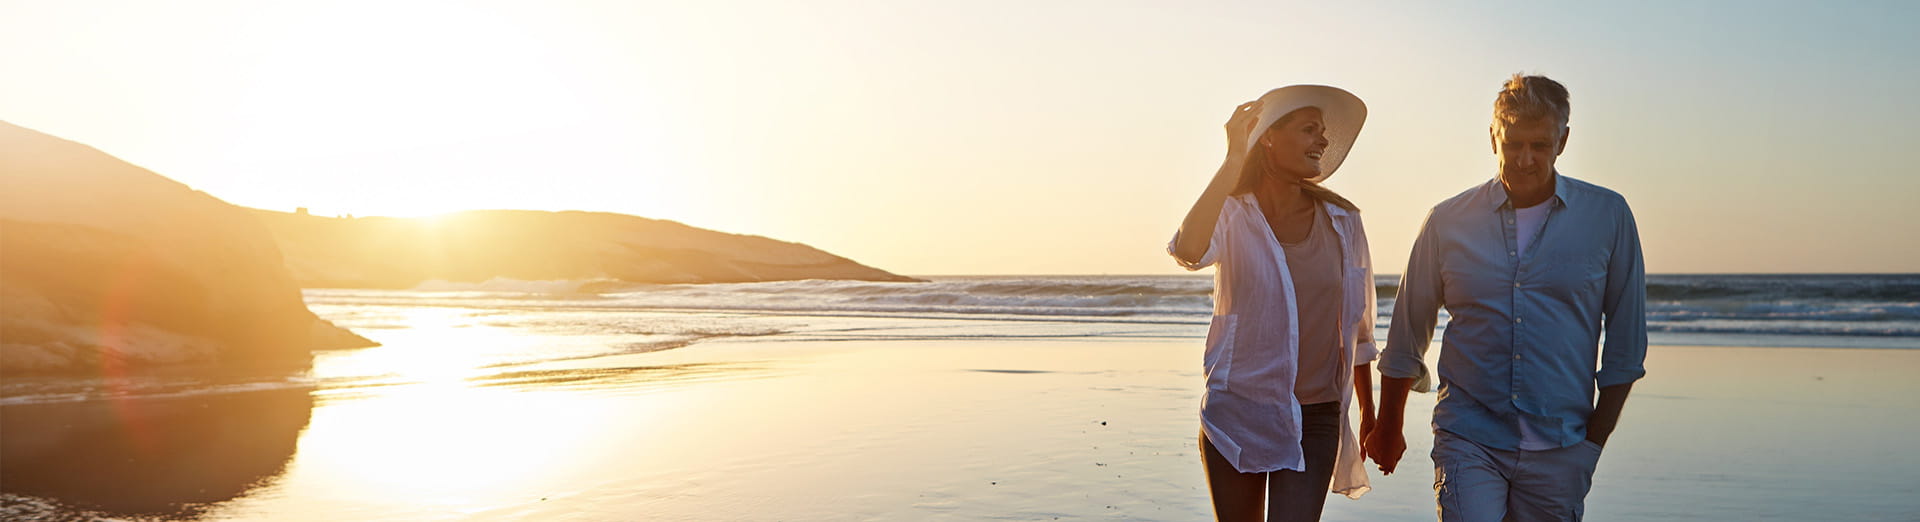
(427,109)
(442,347)
(423,433)
(448,448)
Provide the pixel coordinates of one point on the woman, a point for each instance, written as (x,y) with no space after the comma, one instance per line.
(1292,332)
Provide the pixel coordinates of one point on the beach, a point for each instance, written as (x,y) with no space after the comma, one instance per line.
(1032,430)
(909,261)
(504,411)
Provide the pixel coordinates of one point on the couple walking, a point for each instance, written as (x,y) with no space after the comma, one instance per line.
(1532,266)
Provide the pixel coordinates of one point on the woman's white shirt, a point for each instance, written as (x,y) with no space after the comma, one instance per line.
(1249,411)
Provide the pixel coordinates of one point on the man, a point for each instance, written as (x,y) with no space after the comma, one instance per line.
(1533,267)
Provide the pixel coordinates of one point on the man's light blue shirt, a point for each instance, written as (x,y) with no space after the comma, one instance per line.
(1525,334)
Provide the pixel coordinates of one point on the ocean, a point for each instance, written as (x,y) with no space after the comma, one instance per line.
(1823,311)
(605,400)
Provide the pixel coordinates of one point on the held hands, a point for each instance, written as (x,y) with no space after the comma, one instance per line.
(1366,429)
(1384,444)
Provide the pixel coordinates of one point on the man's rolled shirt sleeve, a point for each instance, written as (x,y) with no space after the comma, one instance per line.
(1623,356)
(1415,311)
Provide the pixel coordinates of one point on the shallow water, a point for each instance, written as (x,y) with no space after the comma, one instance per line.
(489,412)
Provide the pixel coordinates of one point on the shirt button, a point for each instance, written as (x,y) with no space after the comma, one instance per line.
(1511,253)
(1516,284)
(1516,357)
(1516,397)
(1516,319)
(1509,221)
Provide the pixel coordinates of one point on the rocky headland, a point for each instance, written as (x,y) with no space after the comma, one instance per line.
(106,266)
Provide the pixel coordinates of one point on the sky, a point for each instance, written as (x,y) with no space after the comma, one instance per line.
(991,137)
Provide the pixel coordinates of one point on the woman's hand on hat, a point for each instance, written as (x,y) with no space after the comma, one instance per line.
(1239,126)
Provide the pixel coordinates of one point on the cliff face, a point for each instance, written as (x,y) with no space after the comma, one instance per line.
(105,264)
(532,245)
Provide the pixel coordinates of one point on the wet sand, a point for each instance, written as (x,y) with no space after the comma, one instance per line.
(765,429)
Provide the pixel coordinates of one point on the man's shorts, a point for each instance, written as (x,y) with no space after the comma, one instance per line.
(1475,483)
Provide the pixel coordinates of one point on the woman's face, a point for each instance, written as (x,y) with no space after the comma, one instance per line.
(1294,143)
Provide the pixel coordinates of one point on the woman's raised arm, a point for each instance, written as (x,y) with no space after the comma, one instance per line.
(1196,232)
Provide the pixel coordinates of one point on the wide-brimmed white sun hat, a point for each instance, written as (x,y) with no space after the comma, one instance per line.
(1343,112)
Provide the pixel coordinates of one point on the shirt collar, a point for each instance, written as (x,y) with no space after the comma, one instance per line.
(1333,211)
(1498,193)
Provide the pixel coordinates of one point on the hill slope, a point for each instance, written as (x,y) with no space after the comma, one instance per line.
(533,245)
(105,265)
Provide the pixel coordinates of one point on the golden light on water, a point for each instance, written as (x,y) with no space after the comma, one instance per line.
(425,433)
(448,447)
(443,346)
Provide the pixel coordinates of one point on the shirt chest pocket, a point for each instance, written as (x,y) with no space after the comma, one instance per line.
(1469,280)
(1572,269)
(1219,356)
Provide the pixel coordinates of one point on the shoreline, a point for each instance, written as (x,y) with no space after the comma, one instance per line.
(754,428)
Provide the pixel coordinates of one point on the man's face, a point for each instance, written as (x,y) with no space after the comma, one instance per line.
(1526,150)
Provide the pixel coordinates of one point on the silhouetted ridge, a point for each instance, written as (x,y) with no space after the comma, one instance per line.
(380,252)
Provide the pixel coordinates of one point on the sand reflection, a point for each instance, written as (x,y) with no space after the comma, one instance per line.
(167,456)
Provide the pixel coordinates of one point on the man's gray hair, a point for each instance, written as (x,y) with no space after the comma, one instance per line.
(1526,98)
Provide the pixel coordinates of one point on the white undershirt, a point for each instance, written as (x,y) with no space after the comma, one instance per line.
(1529,222)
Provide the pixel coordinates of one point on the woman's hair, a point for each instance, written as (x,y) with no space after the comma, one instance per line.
(1259,169)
